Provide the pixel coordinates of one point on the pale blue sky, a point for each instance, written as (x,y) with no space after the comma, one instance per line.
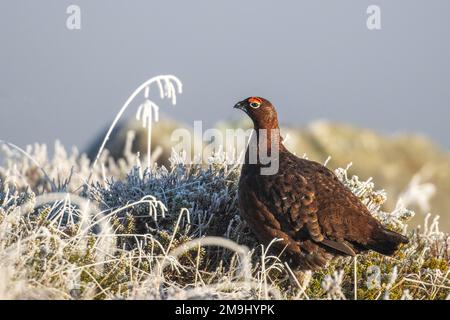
(313,59)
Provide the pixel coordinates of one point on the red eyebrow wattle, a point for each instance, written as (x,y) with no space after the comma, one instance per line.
(255,99)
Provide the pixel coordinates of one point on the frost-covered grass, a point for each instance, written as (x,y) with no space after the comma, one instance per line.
(120,231)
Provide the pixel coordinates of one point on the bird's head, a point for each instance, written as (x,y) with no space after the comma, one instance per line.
(261,111)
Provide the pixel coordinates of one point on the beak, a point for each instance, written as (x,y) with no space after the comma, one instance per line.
(240,105)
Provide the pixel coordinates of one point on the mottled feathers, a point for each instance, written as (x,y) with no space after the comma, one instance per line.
(306,206)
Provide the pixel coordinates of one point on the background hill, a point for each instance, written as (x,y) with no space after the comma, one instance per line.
(410,167)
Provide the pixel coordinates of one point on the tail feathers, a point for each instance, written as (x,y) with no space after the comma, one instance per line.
(385,241)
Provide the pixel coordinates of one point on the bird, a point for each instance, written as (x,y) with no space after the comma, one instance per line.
(312,216)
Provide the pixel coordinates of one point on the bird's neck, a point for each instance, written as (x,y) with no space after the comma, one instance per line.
(264,147)
(268,137)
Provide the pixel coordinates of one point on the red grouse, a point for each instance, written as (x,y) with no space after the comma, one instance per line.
(303,203)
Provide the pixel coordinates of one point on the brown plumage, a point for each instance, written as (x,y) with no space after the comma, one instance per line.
(304,204)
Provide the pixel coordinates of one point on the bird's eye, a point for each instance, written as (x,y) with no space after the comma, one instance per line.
(254,102)
(255,105)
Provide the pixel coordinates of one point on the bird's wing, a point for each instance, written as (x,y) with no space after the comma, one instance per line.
(342,247)
(265,217)
(291,197)
(315,205)
(342,217)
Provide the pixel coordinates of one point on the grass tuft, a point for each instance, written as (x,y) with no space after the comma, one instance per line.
(176,233)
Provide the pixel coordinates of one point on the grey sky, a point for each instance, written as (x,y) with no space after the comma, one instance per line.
(312,59)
